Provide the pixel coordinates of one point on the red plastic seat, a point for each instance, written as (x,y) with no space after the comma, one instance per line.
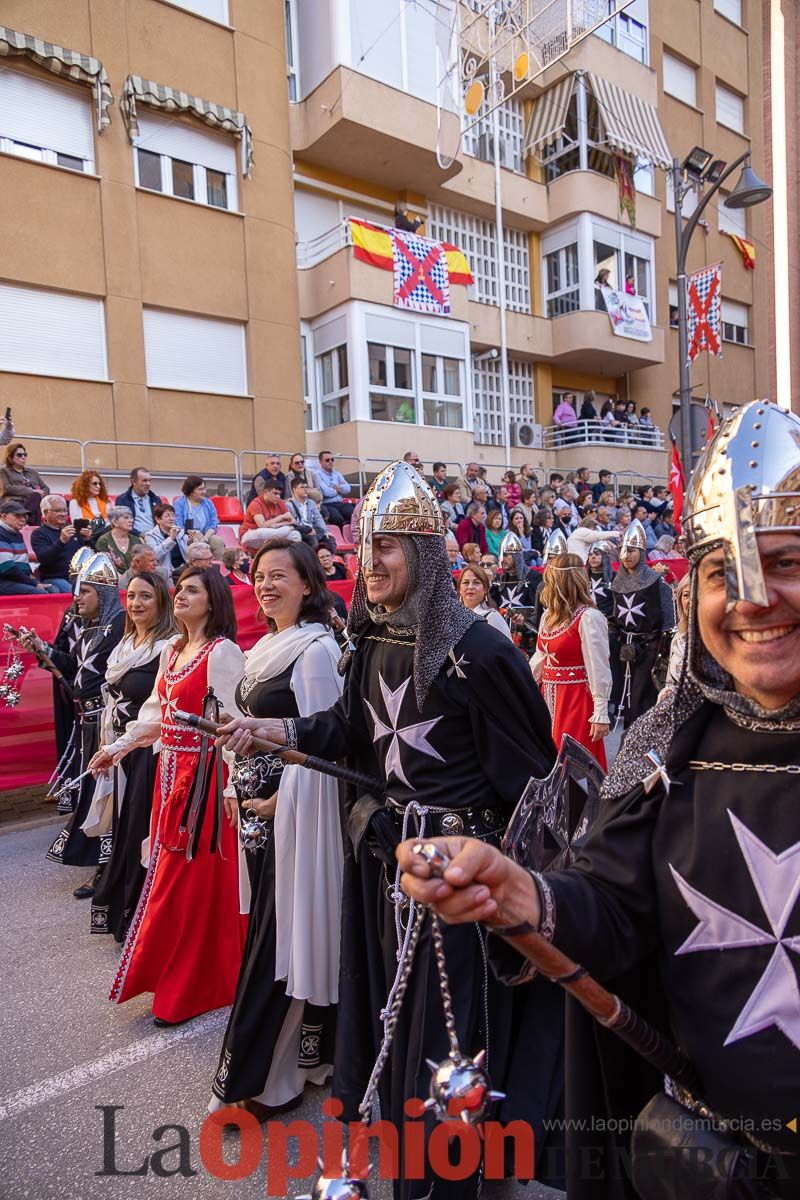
(228,508)
(351,566)
(229,535)
(341,542)
(27,530)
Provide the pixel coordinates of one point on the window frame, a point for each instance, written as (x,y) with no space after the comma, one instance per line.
(47,154)
(440,396)
(199,178)
(720,9)
(668,56)
(728,326)
(292,57)
(340,392)
(390,390)
(568,289)
(487,406)
(740,100)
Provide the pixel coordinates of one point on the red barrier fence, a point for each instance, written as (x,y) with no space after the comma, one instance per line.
(27,740)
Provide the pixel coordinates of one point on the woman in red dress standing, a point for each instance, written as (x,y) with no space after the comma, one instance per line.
(186,938)
(571,662)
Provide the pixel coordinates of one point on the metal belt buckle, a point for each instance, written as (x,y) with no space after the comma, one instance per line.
(490,817)
(452,824)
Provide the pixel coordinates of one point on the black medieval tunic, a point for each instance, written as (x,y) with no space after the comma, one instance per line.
(483,732)
(86,669)
(261,1004)
(688,906)
(636,624)
(117,893)
(64,710)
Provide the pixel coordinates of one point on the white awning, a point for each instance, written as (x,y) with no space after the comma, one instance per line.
(631,124)
(549,116)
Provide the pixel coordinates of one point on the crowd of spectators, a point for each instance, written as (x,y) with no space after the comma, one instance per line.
(305,504)
(612,421)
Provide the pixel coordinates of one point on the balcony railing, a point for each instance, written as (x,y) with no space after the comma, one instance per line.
(317,249)
(591,433)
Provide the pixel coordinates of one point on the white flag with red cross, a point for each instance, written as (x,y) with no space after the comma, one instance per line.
(704,304)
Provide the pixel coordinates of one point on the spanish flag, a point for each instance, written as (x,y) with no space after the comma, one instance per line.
(373,244)
(746,249)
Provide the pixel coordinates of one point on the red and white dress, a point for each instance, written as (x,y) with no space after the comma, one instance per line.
(571,666)
(187,935)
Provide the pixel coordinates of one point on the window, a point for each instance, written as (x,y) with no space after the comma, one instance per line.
(730,109)
(215,10)
(46,122)
(402,45)
(734,322)
(391,383)
(479,140)
(306,376)
(732,9)
(478,239)
(628,30)
(673,306)
(51,333)
(680,79)
(178,159)
(644,177)
(488,398)
(562,286)
(333,386)
(290,20)
(197,354)
(731,220)
(442,402)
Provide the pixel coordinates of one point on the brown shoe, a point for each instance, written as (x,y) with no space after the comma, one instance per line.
(266,1112)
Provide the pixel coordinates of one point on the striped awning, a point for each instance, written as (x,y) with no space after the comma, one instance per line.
(549,116)
(631,124)
(158,95)
(69,63)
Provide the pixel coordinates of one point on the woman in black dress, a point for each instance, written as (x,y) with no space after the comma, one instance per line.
(123,801)
(281,1029)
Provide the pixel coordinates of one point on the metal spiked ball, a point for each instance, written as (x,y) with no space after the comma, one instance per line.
(339,1187)
(251,832)
(460,1088)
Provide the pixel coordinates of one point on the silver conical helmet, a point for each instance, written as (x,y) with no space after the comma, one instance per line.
(555,544)
(634,538)
(100,571)
(79,558)
(746,482)
(510,545)
(399,501)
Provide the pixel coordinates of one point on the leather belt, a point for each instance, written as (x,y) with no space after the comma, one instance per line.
(478,821)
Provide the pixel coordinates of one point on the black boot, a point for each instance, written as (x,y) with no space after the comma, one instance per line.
(86,890)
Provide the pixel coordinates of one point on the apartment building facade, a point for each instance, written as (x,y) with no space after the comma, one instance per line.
(372,127)
(148,286)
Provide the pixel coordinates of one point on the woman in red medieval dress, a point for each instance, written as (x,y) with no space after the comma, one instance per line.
(186,938)
(571,662)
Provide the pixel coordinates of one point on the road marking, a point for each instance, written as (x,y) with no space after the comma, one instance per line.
(118,1060)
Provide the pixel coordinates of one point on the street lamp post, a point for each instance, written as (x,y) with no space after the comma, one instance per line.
(749,191)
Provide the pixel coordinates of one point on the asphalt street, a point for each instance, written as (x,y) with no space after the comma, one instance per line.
(68,1054)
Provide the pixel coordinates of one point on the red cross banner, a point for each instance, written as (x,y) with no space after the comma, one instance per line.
(677,486)
(704,302)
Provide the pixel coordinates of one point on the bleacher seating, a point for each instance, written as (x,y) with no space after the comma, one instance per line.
(228,509)
(342,544)
(229,535)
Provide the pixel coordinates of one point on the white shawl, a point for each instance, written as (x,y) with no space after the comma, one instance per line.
(307,830)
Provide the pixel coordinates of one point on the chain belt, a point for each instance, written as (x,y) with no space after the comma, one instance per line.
(763,768)
(450,822)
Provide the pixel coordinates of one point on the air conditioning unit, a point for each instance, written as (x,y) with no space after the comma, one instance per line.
(525,435)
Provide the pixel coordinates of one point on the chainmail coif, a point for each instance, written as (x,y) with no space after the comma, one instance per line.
(431,606)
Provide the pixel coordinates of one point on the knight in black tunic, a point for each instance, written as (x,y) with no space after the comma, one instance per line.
(685,900)
(515,591)
(427,696)
(102,625)
(68,753)
(644,609)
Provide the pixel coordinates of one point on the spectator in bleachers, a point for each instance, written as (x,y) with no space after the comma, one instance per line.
(20,482)
(588,534)
(200,555)
(194,511)
(299,470)
(336,509)
(499,502)
(604,517)
(453,551)
(624,517)
(266,518)
(413,459)
(519,525)
(468,482)
(6,429)
(331,570)
(491,565)
(604,483)
(169,541)
(451,505)
(471,553)
(141,500)
(471,529)
(307,516)
(54,543)
(562,517)
(541,527)
(527,504)
(439,480)
(120,541)
(238,565)
(16,577)
(494,531)
(143,558)
(555,482)
(89,499)
(565,419)
(271,473)
(512,488)
(664,548)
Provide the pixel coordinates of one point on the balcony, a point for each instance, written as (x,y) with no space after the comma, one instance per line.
(351,120)
(589,191)
(595,433)
(584,341)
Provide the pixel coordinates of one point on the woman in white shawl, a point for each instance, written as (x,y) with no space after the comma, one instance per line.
(123,798)
(281,1028)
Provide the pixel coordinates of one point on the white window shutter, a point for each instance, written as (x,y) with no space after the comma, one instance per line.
(734,314)
(673,295)
(184,140)
(54,116)
(217,10)
(730,109)
(732,9)
(198,354)
(680,79)
(51,333)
